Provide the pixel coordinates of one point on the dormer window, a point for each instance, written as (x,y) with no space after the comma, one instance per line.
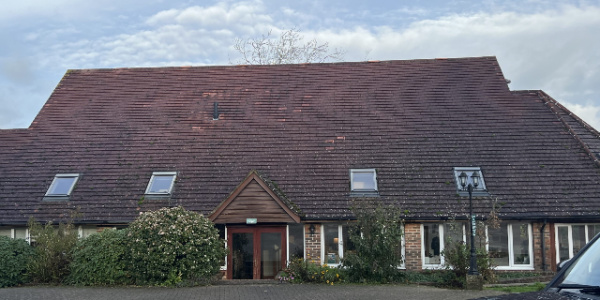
(61,187)
(161,183)
(363,181)
(465,176)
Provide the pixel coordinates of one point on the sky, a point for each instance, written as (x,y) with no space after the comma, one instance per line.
(552,45)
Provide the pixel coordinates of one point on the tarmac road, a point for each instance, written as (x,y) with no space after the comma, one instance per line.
(243,292)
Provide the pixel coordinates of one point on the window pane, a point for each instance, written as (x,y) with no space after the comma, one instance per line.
(61,185)
(432,244)
(296,241)
(348,245)
(453,233)
(331,244)
(20,233)
(498,247)
(592,231)
(161,184)
(563,243)
(520,235)
(578,238)
(6,231)
(363,181)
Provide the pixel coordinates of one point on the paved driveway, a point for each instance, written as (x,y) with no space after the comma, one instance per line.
(245,292)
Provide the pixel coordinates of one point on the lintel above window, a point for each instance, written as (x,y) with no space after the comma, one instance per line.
(161,183)
(61,187)
(363,181)
(465,176)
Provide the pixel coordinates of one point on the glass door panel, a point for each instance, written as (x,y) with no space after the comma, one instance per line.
(242,255)
(270,246)
(563,243)
(578,238)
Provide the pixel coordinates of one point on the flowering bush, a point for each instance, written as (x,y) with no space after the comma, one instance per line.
(299,271)
(172,246)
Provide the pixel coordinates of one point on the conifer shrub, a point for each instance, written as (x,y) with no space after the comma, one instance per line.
(101,259)
(377,237)
(173,246)
(53,245)
(15,254)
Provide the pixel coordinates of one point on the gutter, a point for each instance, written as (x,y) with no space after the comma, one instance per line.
(544,267)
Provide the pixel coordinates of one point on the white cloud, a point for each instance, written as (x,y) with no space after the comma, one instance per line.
(588,112)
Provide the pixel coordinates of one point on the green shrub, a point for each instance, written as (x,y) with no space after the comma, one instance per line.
(301,271)
(52,251)
(377,238)
(174,246)
(15,254)
(101,259)
(457,256)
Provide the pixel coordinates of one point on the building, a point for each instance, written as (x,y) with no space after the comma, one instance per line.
(276,155)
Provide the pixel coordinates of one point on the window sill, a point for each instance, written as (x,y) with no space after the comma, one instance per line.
(364,194)
(157,196)
(56,198)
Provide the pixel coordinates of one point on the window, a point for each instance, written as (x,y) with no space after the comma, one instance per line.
(570,238)
(470,176)
(61,186)
(336,243)
(295,241)
(435,237)
(161,183)
(510,246)
(363,180)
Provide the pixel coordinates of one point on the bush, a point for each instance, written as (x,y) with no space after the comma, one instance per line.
(52,251)
(14,257)
(377,237)
(301,271)
(457,257)
(174,246)
(100,259)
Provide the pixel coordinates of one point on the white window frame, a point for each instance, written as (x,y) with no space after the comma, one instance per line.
(511,252)
(570,237)
(372,171)
(157,174)
(224,266)
(442,244)
(340,245)
(287,236)
(75,177)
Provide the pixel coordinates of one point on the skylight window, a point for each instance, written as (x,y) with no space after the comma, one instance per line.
(161,183)
(465,176)
(62,185)
(363,180)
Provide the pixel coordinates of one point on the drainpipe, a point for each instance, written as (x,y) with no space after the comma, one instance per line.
(543,246)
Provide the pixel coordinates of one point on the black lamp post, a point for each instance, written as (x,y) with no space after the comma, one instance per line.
(469,188)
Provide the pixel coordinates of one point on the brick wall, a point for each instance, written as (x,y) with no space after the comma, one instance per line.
(412,240)
(537,246)
(313,243)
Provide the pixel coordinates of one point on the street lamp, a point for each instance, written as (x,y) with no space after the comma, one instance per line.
(463,182)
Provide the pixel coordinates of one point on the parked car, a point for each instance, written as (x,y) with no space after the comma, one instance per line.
(578,278)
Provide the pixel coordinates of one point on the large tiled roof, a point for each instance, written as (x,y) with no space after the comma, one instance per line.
(302,127)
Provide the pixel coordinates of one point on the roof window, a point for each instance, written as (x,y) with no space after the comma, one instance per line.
(61,186)
(363,181)
(465,176)
(161,183)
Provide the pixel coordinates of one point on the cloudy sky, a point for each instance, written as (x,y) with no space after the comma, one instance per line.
(553,45)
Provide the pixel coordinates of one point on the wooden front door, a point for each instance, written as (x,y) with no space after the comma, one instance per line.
(255,252)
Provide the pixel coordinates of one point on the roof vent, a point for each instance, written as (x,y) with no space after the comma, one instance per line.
(216,111)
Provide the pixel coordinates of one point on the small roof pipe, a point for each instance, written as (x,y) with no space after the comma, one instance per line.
(216,111)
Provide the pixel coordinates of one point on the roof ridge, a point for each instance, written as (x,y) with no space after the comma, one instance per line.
(552,104)
(366,62)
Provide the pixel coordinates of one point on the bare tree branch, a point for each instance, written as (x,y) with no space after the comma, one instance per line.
(287,49)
